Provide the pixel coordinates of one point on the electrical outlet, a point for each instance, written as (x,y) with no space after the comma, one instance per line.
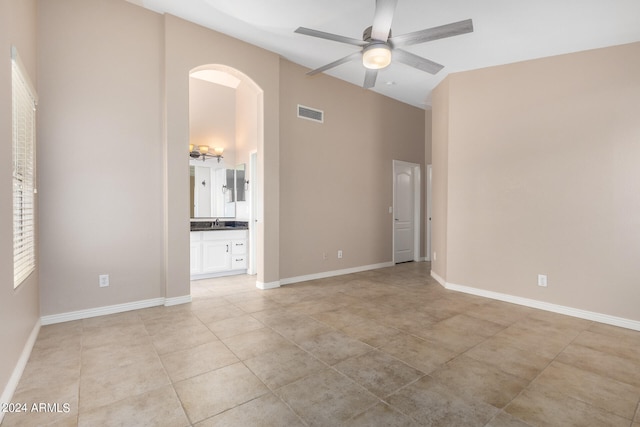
(324,255)
(434,256)
(103,280)
(340,254)
(542,280)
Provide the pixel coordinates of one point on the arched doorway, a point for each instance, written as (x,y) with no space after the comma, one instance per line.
(226,112)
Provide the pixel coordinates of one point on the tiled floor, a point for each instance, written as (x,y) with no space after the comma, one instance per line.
(388,347)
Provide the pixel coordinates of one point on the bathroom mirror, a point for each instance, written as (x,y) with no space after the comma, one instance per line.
(212,192)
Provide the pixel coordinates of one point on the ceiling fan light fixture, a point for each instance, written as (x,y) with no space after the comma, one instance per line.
(376,56)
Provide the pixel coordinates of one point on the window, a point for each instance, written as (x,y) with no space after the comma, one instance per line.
(24,125)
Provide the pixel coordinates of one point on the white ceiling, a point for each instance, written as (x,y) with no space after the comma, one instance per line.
(505,31)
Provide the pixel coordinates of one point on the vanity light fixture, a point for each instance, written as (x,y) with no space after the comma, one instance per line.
(203,152)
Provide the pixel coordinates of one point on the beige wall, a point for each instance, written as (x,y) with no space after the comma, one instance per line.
(336,177)
(212,118)
(100,154)
(188,46)
(542,177)
(114,136)
(19,309)
(440,162)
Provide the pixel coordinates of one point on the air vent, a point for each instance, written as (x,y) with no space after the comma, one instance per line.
(310,114)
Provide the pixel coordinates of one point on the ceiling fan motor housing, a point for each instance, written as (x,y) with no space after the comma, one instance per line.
(366,34)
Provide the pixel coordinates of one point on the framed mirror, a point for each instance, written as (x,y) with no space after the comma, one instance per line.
(212,192)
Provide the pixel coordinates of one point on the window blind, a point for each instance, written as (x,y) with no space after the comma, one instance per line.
(24,125)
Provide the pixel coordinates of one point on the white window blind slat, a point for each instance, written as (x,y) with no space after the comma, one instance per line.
(24,118)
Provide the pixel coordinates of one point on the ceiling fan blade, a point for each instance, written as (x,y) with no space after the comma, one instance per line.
(416,61)
(353,56)
(370,78)
(382,19)
(435,33)
(329,36)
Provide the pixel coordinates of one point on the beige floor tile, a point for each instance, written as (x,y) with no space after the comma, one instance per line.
(530,339)
(616,331)
(378,372)
(284,366)
(560,321)
(256,305)
(184,338)
(208,304)
(502,313)
(54,367)
(333,347)
(170,323)
(326,398)
(156,408)
(214,392)
(235,326)
(317,305)
(111,335)
(601,392)
(117,320)
(624,346)
(209,315)
(372,333)
(472,379)
(124,382)
(502,354)
(109,367)
(265,411)
(251,344)
(424,355)
(555,409)
(66,335)
(299,328)
(40,419)
(410,321)
(381,415)
(96,360)
(63,397)
(194,361)
(431,403)
(605,364)
(461,332)
(339,319)
(504,419)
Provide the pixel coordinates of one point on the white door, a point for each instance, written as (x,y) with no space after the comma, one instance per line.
(404,212)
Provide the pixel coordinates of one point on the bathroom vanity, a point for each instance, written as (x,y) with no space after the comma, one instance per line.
(218,248)
(218,240)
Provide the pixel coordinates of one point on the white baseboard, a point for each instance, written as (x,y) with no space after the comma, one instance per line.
(11,386)
(438,279)
(185,299)
(269,285)
(333,273)
(542,305)
(112,309)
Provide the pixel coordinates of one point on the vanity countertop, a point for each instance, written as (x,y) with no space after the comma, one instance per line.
(222,225)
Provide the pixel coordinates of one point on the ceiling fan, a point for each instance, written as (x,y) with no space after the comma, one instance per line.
(379,46)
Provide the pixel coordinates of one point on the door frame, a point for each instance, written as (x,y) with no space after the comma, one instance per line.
(429,185)
(253,213)
(417,203)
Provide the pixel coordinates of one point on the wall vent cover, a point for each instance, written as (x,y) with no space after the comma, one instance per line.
(310,114)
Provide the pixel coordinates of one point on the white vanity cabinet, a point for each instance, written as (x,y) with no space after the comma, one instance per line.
(218,253)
